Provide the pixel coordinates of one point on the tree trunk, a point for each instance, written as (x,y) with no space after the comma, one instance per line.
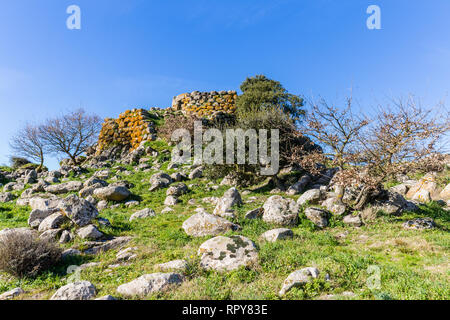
(362,199)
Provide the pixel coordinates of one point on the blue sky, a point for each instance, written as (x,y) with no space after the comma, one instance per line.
(140,53)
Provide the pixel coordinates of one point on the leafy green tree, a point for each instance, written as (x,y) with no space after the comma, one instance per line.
(260,92)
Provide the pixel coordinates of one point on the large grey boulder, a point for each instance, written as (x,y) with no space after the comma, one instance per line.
(298,278)
(83,290)
(40,203)
(79,210)
(318,216)
(205,224)
(150,283)
(224,206)
(227,253)
(281,211)
(71,186)
(112,193)
(142,214)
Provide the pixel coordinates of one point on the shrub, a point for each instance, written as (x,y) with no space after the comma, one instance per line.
(17,162)
(176,121)
(25,255)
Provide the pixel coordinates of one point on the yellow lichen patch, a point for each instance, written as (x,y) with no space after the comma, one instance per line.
(129,129)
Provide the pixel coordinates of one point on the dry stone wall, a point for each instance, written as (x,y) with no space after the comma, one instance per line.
(130,129)
(206,104)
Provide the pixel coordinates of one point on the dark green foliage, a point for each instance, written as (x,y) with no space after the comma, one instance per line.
(17,162)
(260,93)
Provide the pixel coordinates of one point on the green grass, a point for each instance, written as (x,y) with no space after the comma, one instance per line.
(413,264)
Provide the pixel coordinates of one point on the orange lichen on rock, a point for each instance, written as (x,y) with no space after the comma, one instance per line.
(130,129)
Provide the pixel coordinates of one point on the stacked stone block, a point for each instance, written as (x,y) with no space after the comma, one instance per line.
(129,130)
(206,104)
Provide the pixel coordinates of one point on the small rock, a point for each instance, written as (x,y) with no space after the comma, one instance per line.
(352,220)
(420,224)
(281,211)
(144,213)
(277,234)
(318,216)
(176,265)
(205,224)
(298,278)
(89,232)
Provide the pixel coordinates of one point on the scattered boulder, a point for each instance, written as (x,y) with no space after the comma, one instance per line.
(112,193)
(83,290)
(89,232)
(177,190)
(299,186)
(126,254)
(352,220)
(159,181)
(227,253)
(150,283)
(334,206)
(11,294)
(428,183)
(281,211)
(54,221)
(445,194)
(144,213)
(6,197)
(311,196)
(422,195)
(277,234)
(318,216)
(420,224)
(255,213)
(79,210)
(71,186)
(205,224)
(224,206)
(171,201)
(298,278)
(176,265)
(196,173)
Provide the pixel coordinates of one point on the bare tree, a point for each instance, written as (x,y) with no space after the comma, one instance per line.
(335,128)
(404,137)
(28,142)
(71,134)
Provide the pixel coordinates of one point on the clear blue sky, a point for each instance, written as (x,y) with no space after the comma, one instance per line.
(140,53)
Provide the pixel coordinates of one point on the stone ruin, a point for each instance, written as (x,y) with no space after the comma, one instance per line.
(206,104)
(129,130)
